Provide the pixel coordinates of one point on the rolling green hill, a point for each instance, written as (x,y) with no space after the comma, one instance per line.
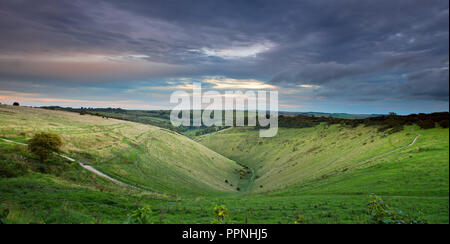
(319,174)
(298,156)
(333,162)
(149,157)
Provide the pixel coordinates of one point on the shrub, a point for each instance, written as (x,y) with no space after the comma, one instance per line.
(381,213)
(426,124)
(141,216)
(43,144)
(299,220)
(16,104)
(221,215)
(443,123)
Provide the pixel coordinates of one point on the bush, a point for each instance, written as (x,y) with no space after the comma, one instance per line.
(43,144)
(299,220)
(141,216)
(16,104)
(443,123)
(426,124)
(221,215)
(381,213)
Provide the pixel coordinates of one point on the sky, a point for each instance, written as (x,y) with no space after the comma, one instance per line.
(353,56)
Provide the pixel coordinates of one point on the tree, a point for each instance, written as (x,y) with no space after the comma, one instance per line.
(43,144)
(16,104)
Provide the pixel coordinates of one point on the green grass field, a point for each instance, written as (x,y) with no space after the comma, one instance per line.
(146,156)
(299,155)
(322,174)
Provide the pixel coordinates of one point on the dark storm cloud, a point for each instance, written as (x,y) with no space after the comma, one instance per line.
(358,49)
(428,84)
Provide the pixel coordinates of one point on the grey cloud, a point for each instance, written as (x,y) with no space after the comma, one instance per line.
(428,84)
(356,48)
(320,73)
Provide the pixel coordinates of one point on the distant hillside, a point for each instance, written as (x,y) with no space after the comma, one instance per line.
(161,118)
(332,115)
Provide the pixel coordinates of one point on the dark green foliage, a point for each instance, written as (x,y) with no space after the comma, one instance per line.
(16,161)
(16,104)
(426,124)
(141,216)
(381,213)
(12,162)
(392,123)
(443,123)
(300,121)
(10,169)
(4,212)
(43,144)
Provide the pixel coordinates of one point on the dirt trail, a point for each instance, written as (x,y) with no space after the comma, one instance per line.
(87,167)
(415,139)
(95,171)
(18,143)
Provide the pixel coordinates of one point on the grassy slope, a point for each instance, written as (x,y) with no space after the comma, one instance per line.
(413,179)
(419,170)
(138,154)
(66,193)
(298,155)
